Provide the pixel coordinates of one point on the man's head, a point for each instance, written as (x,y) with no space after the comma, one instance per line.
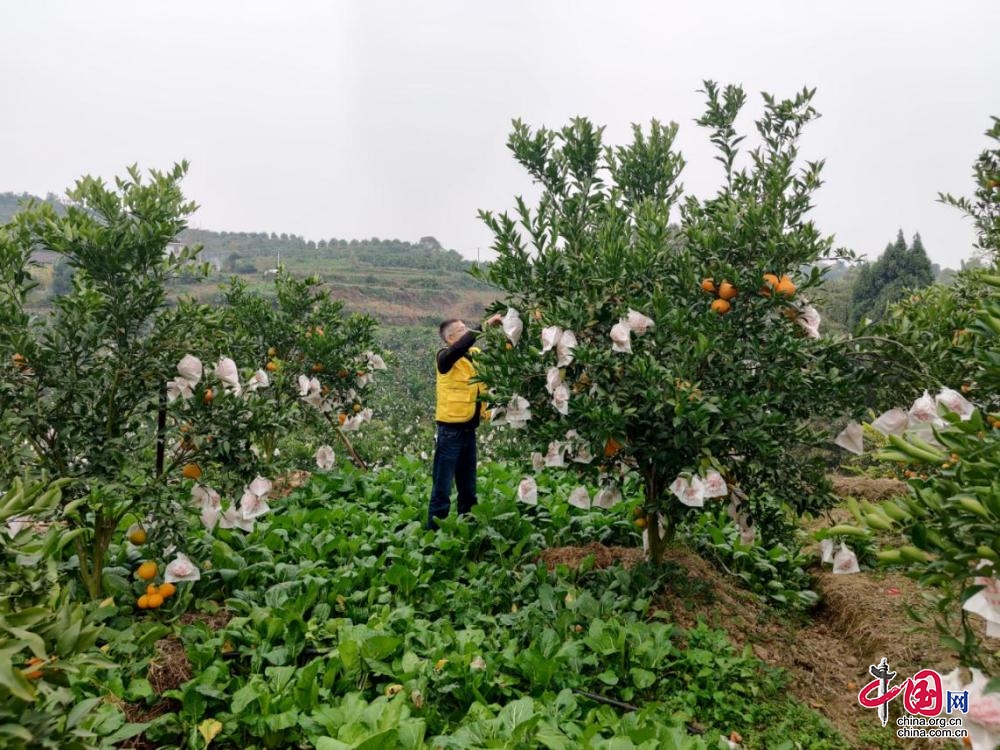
(452,330)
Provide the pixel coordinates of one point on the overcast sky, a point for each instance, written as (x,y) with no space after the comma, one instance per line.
(389,119)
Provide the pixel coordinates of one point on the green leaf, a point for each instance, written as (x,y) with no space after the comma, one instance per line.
(642,678)
(244,697)
(329,743)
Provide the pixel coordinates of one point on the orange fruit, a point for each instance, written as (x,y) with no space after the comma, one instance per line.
(708,285)
(727,291)
(147,571)
(271,366)
(721,306)
(508,346)
(317,367)
(151,589)
(19,361)
(137,536)
(143,602)
(341,373)
(34,674)
(356,408)
(272,352)
(207,398)
(641,522)
(785,287)
(167,590)
(342,417)
(155,601)
(319,330)
(191,471)
(966,387)
(611,447)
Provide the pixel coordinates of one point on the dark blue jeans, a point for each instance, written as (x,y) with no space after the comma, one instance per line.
(454,461)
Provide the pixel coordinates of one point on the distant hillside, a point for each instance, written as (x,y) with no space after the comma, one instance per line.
(398,282)
(10,203)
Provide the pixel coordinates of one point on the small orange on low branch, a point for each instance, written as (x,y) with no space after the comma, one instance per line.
(34,674)
(727,291)
(708,285)
(167,590)
(147,571)
(721,306)
(191,471)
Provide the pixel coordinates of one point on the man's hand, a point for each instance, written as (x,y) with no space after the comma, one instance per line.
(494,320)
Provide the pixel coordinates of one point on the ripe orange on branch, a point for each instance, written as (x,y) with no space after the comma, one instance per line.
(147,571)
(785,287)
(708,285)
(191,471)
(721,306)
(727,291)
(611,448)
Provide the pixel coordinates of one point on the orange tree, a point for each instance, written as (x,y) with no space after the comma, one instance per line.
(695,347)
(321,363)
(134,399)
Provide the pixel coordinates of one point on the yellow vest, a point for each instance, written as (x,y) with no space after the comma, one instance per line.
(456,396)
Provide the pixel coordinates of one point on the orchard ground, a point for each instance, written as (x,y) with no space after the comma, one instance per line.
(826,652)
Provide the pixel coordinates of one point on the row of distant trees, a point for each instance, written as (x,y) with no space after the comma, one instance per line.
(864,291)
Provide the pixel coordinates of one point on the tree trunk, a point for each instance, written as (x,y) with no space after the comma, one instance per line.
(657,543)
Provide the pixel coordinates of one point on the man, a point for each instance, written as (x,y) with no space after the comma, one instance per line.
(457,413)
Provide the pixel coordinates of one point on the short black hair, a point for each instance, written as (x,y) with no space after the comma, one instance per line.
(443,328)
